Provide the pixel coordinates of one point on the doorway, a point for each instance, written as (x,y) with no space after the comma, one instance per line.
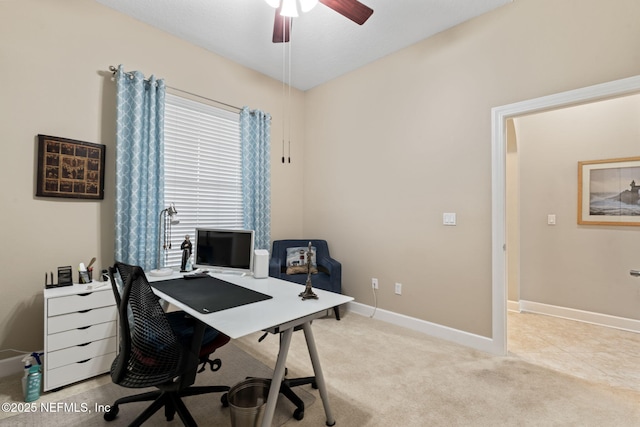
(500,116)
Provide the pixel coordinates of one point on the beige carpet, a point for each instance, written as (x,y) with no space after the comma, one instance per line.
(584,350)
(382,375)
(76,405)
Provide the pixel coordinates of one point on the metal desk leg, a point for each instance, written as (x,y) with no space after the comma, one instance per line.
(278,376)
(315,361)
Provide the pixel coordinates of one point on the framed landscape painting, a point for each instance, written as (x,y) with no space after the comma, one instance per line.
(609,192)
(70,168)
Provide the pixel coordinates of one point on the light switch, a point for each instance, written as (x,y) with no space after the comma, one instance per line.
(551,219)
(449,218)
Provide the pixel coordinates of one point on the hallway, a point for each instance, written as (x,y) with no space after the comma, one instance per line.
(592,352)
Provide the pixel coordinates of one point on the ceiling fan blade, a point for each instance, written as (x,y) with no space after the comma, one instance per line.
(352,9)
(281,27)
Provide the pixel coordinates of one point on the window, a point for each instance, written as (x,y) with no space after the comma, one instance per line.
(203,169)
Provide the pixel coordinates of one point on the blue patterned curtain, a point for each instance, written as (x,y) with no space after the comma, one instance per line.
(255,137)
(139,162)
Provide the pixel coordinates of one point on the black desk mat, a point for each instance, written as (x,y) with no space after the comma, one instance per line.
(209,294)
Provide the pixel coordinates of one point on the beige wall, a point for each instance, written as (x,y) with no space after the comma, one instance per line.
(512,188)
(387,148)
(584,267)
(395,144)
(55,57)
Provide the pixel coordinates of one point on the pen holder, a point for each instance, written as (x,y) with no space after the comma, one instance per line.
(84,276)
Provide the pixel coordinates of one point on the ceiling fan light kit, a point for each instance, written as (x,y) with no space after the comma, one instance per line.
(290,7)
(307,5)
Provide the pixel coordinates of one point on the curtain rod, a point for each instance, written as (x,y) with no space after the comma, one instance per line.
(238,109)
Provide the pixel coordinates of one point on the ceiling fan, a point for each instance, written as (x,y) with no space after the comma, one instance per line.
(286,10)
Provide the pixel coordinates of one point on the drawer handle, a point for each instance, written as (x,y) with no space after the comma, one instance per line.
(83,361)
(83,345)
(84,327)
(85,311)
(84,295)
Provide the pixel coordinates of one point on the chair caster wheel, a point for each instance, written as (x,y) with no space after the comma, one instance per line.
(298,414)
(225,400)
(111,414)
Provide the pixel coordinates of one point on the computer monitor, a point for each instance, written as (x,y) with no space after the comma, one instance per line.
(221,250)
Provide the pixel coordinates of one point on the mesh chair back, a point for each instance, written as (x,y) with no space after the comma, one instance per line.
(150,353)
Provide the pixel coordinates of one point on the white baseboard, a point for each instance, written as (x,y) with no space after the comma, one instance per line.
(616,322)
(513,306)
(449,334)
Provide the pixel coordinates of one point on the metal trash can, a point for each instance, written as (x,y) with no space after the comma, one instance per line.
(247,400)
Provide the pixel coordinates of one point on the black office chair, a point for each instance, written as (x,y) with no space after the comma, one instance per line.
(155,350)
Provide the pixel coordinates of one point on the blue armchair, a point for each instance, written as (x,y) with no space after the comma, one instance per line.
(329,276)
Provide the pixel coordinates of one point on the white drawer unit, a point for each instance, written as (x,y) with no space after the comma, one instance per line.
(80,333)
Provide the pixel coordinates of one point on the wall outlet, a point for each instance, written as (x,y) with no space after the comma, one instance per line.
(374,283)
(398,288)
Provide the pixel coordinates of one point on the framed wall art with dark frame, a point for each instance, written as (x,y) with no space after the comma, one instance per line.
(609,191)
(70,168)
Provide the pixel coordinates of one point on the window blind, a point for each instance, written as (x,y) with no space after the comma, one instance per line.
(203,169)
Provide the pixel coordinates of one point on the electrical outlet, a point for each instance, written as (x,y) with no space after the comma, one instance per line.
(374,283)
(398,288)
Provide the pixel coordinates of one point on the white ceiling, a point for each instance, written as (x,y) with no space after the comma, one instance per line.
(324,44)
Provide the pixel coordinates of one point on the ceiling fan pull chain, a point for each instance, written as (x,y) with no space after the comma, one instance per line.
(284,52)
(289,102)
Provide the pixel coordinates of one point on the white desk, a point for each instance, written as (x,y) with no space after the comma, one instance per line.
(282,313)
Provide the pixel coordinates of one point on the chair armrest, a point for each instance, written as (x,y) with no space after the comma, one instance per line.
(275,267)
(333,268)
(330,264)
